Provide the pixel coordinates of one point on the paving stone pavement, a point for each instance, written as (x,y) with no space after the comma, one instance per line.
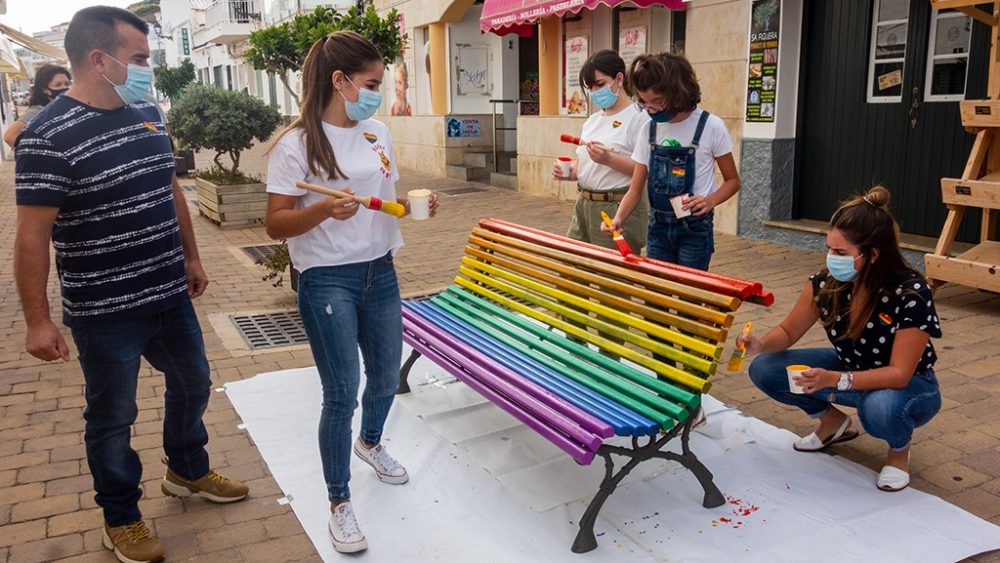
(47,510)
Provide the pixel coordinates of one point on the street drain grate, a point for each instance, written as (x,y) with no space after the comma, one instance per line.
(261,252)
(459,191)
(270,330)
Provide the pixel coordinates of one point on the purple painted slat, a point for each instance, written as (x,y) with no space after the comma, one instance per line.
(575,450)
(580,425)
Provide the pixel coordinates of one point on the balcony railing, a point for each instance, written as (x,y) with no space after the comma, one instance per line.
(232,11)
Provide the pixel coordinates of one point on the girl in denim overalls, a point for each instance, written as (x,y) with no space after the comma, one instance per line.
(676,156)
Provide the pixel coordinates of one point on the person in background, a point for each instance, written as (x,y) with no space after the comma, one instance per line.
(51,81)
(677,158)
(878,313)
(603,167)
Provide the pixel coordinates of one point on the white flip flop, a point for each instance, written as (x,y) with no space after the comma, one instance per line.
(813,443)
(892,479)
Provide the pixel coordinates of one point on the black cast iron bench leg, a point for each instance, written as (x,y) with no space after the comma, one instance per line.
(585,540)
(404,373)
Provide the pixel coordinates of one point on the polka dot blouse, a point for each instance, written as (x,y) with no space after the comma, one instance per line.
(909,305)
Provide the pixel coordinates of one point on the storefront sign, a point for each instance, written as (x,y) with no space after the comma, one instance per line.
(185,42)
(576,53)
(463,127)
(631,43)
(762,75)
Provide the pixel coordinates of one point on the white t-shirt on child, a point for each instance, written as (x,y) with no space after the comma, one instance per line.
(618,131)
(364,154)
(715,142)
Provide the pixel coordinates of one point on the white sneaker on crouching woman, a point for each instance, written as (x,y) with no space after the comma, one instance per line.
(344,530)
(386,468)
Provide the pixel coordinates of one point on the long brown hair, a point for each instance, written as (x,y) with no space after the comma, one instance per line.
(669,74)
(866,223)
(348,52)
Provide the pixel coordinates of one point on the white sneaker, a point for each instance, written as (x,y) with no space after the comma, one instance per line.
(388,469)
(344,530)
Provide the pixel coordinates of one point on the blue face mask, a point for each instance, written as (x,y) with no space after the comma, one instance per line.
(138,80)
(842,267)
(368,102)
(605,98)
(662,116)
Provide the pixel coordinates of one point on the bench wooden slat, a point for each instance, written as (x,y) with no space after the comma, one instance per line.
(539,368)
(547,406)
(606,295)
(695,294)
(680,376)
(702,347)
(602,374)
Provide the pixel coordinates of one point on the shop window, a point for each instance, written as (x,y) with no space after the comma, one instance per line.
(887,51)
(678,30)
(947,56)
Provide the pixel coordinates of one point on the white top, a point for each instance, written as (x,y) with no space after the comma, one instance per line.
(364,153)
(715,142)
(618,131)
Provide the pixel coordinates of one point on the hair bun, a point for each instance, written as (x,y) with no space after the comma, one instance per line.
(878,196)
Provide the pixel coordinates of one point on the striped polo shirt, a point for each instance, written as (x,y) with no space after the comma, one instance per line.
(116,236)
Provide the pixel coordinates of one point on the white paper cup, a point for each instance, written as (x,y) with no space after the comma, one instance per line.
(420,204)
(677,203)
(564,166)
(795,371)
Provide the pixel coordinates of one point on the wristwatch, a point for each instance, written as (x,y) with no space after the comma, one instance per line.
(846,381)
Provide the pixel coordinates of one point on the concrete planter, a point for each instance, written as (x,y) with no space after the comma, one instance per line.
(237,206)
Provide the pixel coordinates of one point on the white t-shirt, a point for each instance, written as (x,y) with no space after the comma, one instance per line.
(618,131)
(364,154)
(715,142)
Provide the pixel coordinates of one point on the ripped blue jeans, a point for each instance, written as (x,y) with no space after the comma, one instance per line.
(344,308)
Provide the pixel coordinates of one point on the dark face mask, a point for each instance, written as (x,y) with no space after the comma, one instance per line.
(56,93)
(662,116)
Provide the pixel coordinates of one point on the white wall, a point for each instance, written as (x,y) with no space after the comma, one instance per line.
(466,32)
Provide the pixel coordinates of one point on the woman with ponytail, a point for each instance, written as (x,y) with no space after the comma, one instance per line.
(348,292)
(878,313)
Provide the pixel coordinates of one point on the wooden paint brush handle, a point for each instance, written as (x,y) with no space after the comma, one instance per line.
(370,202)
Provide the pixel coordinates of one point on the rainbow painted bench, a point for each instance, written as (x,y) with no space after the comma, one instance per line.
(514,325)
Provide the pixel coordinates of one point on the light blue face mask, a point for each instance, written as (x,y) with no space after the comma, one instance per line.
(842,267)
(138,80)
(368,102)
(605,98)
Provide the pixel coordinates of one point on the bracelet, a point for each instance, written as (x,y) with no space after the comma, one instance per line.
(850,380)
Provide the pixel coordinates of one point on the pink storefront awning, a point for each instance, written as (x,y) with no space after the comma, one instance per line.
(499,14)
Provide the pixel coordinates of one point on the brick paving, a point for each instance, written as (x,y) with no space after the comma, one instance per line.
(47,511)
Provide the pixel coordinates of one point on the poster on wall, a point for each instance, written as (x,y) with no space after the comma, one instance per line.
(631,43)
(576,53)
(762,74)
(473,71)
(466,127)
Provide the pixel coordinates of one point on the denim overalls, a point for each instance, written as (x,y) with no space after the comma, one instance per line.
(688,241)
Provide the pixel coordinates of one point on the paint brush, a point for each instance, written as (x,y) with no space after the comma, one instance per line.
(567,138)
(393,208)
(620,241)
(736,360)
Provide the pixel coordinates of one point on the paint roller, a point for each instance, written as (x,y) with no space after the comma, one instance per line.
(371,202)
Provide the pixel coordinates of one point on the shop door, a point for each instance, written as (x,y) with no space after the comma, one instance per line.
(881,81)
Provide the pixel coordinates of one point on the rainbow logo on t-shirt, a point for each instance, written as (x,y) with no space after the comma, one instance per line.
(886,319)
(616,124)
(679,171)
(150,126)
(371,138)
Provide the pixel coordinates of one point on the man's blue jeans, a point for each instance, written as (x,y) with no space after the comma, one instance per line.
(344,307)
(887,414)
(110,354)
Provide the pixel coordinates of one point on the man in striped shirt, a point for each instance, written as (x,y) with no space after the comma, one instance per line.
(95,175)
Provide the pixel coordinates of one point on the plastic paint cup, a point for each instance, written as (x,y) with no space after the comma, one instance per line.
(564,166)
(795,371)
(677,203)
(420,204)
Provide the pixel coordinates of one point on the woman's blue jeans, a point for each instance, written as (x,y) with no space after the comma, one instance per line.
(109,355)
(887,414)
(344,308)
